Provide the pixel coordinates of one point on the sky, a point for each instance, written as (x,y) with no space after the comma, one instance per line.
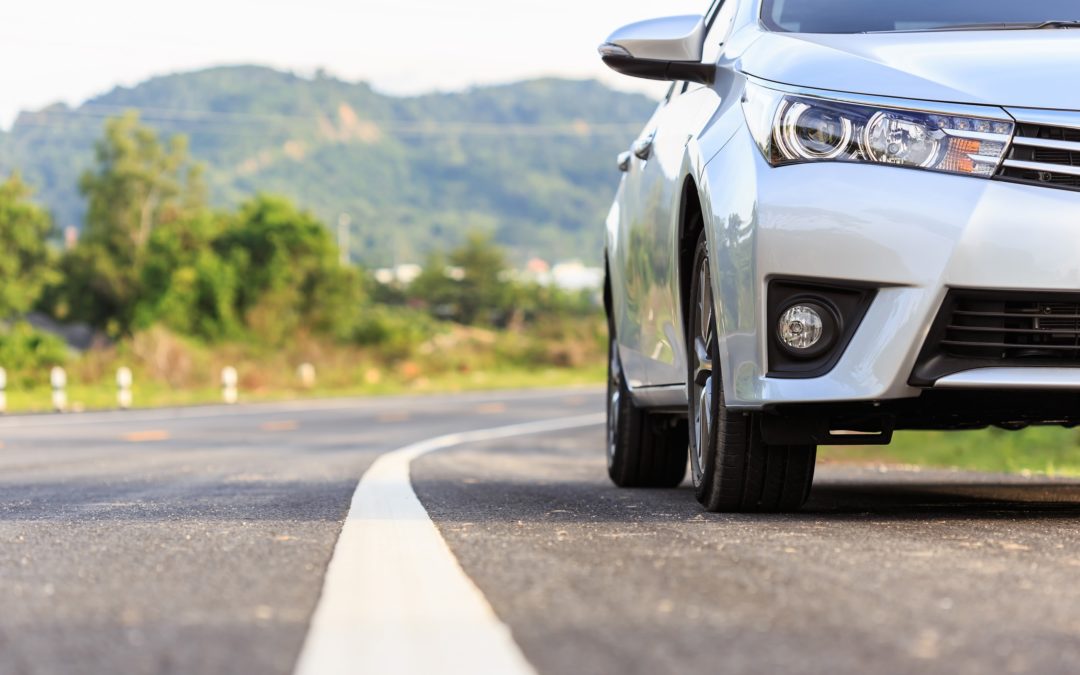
(70,50)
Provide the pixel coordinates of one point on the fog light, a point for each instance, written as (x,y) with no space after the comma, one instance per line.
(807,329)
(810,325)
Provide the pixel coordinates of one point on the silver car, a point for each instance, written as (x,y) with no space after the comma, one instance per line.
(846,218)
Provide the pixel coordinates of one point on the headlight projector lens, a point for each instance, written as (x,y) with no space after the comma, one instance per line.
(891,139)
(815,133)
(807,329)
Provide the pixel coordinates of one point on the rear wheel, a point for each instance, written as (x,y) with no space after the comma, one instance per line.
(732,467)
(643,450)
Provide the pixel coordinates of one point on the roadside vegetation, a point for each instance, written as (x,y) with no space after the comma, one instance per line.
(1052,451)
(176,290)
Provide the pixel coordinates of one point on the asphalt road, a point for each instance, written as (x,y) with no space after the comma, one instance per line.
(197,541)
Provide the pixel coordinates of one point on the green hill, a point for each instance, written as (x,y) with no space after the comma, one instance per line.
(532,162)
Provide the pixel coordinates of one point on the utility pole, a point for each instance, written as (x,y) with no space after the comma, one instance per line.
(343,222)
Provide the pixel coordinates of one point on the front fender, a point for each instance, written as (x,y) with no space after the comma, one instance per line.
(729,213)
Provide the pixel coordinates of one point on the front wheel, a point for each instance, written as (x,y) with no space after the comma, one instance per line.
(732,467)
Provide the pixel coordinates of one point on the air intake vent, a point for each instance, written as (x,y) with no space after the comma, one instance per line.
(977,329)
(1044,155)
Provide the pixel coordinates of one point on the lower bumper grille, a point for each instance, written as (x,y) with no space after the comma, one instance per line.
(977,329)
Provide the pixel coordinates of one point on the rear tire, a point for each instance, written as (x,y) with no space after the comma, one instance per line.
(643,450)
(732,467)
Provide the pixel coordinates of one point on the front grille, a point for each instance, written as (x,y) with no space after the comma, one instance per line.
(976,329)
(1044,155)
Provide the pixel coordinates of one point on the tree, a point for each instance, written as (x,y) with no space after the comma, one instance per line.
(186,285)
(138,185)
(26,262)
(289,267)
(154,253)
(469,284)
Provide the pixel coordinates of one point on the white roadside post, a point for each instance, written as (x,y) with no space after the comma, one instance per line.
(306,373)
(229,380)
(123,387)
(3,391)
(58,379)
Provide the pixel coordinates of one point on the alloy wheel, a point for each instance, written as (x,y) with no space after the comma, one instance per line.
(703,348)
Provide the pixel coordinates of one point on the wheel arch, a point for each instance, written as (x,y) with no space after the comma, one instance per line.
(609,310)
(695,216)
(691,224)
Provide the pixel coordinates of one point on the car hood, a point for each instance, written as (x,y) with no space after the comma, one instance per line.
(1031,68)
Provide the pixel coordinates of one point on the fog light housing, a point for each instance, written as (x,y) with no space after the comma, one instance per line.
(840,305)
(807,329)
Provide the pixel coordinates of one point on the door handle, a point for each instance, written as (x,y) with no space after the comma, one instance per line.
(643,146)
(624,161)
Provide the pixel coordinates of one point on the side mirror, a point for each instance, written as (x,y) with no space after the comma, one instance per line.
(660,49)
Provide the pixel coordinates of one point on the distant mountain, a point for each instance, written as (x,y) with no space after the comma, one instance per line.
(532,162)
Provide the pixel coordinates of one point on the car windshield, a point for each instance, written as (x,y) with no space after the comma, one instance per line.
(870,16)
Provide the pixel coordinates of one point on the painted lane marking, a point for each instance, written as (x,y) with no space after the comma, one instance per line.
(391,417)
(147,436)
(395,599)
(491,409)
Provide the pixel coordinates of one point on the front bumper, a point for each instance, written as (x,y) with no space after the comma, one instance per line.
(911,234)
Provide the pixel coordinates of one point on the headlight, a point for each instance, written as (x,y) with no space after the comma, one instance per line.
(791,128)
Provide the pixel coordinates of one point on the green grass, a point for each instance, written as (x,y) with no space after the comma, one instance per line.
(83,396)
(1052,451)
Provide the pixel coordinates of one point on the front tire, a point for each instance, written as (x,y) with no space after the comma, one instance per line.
(732,467)
(643,450)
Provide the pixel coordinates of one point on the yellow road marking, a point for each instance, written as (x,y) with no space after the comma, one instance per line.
(389,417)
(491,408)
(283,425)
(147,436)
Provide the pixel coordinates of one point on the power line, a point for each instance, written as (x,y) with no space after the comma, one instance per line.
(207,120)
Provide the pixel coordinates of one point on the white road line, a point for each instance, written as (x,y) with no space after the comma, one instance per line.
(395,599)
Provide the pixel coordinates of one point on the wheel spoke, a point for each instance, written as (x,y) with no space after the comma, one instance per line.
(705,341)
(703,422)
(703,371)
(705,304)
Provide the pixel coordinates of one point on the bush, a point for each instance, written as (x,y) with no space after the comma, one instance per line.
(28,354)
(394,332)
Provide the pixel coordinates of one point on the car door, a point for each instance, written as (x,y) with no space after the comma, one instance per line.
(650,213)
(631,262)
